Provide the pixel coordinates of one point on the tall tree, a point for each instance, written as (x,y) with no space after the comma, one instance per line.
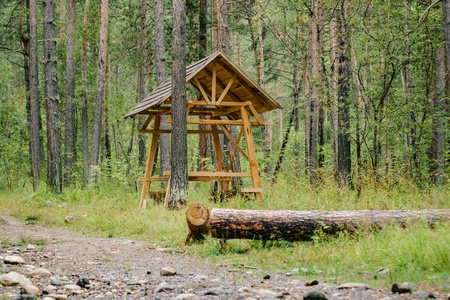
(438,143)
(313,99)
(84,103)
(35,105)
(70,149)
(344,154)
(203,42)
(142,75)
(54,168)
(178,158)
(100,96)
(160,52)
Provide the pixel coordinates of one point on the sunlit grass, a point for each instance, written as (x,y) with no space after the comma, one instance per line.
(417,253)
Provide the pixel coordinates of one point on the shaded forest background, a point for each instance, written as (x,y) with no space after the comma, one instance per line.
(364,86)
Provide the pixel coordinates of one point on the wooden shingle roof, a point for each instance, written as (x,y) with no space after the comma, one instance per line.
(242,89)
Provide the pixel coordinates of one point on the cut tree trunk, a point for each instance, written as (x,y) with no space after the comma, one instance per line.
(302,225)
(197,217)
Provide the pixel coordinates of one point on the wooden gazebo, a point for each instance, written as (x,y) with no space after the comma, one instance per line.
(227,97)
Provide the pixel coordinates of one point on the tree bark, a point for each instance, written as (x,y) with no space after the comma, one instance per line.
(178,160)
(334,99)
(344,154)
(70,138)
(160,49)
(439,137)
(142,80)
(302,225)
(446,11)
(313,99)
(84,104)
(222,32)
(100,95)
(36,148)
(54,168)
(203,42)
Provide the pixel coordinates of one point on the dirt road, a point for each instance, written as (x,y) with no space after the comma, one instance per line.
(125,269)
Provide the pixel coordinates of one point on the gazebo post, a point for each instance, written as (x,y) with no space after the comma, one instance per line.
(251,154)
(219,156)
(150,162)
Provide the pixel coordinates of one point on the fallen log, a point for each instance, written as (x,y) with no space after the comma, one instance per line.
(302,225)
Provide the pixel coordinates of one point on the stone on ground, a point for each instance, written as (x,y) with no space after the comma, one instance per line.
(168,271)
(31,289)
(163,286)
(14,278)
(403,288)
(424,294)
(41,272)
(185,296)
(315,296)
(13,260)
(353,285)
(72,287)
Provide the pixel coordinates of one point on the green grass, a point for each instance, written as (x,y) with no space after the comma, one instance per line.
(417,253)
(23,241)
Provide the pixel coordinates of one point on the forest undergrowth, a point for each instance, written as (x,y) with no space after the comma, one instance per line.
(417,253)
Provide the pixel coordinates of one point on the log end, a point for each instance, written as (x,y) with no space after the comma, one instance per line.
(197,217)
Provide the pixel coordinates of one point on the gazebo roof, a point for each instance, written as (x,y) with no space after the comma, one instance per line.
(200,74)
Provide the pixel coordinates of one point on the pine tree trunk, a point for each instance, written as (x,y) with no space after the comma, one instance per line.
(178,160)
(107,139)
(446,11)
(334,98)
(313,99)
(344,154)
(321,104)
(439,121)
(36,148)
(203,42)
(62,18)
(160,51)
(54,168)
(70,138)
(84,104)
(142,79)
(267,135)
(100,95)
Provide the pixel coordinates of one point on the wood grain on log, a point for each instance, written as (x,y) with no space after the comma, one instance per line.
(302,225)
(197,217)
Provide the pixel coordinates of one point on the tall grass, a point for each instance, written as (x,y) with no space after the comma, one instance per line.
(416,253)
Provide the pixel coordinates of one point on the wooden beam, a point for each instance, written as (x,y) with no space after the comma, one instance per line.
(231,138)
(227,112)
(150,161)
(235,149)
(193,131)
(202,90)
(149,118)
(227,88)
(244,84)
(153,179)
(256,115)
(214,174)
(215,122)
(251,152)
(222,85)
(214,83)
(219,156)
(239,103)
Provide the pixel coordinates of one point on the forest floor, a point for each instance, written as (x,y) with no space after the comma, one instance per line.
(120,268)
